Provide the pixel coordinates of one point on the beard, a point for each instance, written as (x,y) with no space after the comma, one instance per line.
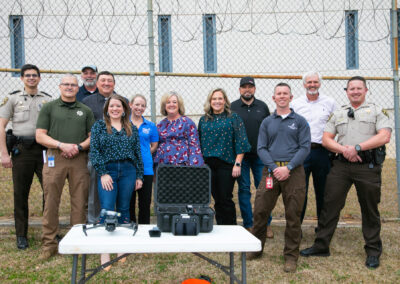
(247,97)
(89,83)
(312,92)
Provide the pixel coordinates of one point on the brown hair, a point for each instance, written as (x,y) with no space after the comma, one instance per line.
(126,124)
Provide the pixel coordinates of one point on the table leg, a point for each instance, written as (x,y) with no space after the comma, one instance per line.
(243,267)
(83,268)
(231,268)
(74,266)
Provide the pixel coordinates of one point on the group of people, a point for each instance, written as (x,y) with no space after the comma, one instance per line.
(101,143)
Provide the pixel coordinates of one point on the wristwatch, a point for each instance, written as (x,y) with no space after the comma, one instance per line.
(238,164)
(80,148)
(358,148)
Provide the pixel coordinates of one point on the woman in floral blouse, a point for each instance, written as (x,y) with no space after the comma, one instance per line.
(115,154)
(223,142)
(179,139)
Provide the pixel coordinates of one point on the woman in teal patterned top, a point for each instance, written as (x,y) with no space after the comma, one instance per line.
(223,143)
(116,156)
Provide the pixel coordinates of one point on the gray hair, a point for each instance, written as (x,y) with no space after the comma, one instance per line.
(312,73)
(68,75)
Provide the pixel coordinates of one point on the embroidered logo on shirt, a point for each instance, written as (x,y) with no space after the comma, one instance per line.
(292,126)
(79,112)
(146,130)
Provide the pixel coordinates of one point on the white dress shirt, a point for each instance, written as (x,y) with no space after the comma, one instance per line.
(316,113)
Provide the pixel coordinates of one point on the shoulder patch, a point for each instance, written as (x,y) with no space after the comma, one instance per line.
(5,100)
(384,111)
(15,92)
(330,116)
(44,93)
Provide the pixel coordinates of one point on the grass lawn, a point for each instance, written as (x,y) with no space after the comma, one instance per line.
(345,265)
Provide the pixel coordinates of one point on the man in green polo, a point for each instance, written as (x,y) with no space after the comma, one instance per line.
(64,128)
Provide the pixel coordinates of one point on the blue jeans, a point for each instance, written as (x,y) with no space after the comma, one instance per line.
(123,174)
(244,193)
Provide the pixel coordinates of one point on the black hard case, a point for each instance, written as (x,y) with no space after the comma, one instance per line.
(179,186)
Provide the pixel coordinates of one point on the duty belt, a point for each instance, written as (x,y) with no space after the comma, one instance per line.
(281,164)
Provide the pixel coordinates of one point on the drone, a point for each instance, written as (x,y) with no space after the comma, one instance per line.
(111,222)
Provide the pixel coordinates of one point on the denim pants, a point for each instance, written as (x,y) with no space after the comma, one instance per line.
(123,174)
(244,192)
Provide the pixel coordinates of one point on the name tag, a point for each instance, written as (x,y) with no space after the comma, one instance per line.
(50,161)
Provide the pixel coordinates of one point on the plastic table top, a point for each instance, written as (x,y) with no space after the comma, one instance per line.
(98,240)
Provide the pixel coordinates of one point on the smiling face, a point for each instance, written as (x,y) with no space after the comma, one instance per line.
(106,85)
(89,77)
(68,88)
(138,106)
(30,78)
(172,106)
(115,109)
(356,92)
(282,97)
(312,85)
(217,102)
(247,92)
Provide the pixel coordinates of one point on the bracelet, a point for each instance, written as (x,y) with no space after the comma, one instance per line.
(58,145)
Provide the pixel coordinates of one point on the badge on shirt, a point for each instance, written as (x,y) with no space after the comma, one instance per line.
(384,111)
(5,100)
(79,112)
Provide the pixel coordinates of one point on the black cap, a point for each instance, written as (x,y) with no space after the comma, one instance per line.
(247,80)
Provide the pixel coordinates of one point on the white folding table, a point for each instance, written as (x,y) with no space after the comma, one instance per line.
(222,239)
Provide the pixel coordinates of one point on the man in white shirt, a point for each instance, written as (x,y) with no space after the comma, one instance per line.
(316,109)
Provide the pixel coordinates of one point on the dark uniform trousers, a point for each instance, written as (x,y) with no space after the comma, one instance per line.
(293,192)
(368,185)
(25,165)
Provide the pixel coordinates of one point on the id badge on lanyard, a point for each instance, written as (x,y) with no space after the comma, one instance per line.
(269,181)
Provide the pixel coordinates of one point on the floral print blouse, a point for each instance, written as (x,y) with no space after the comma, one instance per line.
(179,143)
(116,146)
(224,136)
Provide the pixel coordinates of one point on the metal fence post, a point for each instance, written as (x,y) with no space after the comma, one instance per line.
(151,60)
(395,60)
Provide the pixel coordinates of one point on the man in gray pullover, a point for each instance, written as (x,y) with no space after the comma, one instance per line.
(283,143)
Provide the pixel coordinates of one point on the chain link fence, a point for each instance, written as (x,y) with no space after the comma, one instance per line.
(200,45)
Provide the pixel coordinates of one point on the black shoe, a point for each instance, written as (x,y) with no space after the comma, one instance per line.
(58,238)
(372,261)
(22,243)
(312,251)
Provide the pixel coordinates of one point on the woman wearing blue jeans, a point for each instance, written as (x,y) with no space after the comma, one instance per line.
(115,154)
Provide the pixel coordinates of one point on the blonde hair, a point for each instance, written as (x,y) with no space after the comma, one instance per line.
(207,105)
(166,97)
(138,96)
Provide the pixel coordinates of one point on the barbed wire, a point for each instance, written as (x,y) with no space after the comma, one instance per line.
(124,22)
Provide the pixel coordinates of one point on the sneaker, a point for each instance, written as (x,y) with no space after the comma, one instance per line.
(22,243)
(46,254)
(290,266)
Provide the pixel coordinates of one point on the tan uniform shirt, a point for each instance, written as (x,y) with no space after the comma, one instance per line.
(368,119)
(23,110)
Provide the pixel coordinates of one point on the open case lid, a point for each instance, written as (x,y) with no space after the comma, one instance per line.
(183,185)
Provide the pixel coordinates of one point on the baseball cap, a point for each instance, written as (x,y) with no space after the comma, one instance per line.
(93,67)
(247,80)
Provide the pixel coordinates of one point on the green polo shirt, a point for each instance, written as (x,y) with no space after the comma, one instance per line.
(66,123)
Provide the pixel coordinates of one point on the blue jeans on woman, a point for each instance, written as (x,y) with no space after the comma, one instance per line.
(123,174)
(244,193)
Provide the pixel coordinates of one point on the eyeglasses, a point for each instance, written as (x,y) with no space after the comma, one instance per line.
(350,113)
(69,85)
(31,75)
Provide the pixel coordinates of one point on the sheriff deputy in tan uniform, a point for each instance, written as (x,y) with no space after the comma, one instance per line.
(362,129)
(22,108)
